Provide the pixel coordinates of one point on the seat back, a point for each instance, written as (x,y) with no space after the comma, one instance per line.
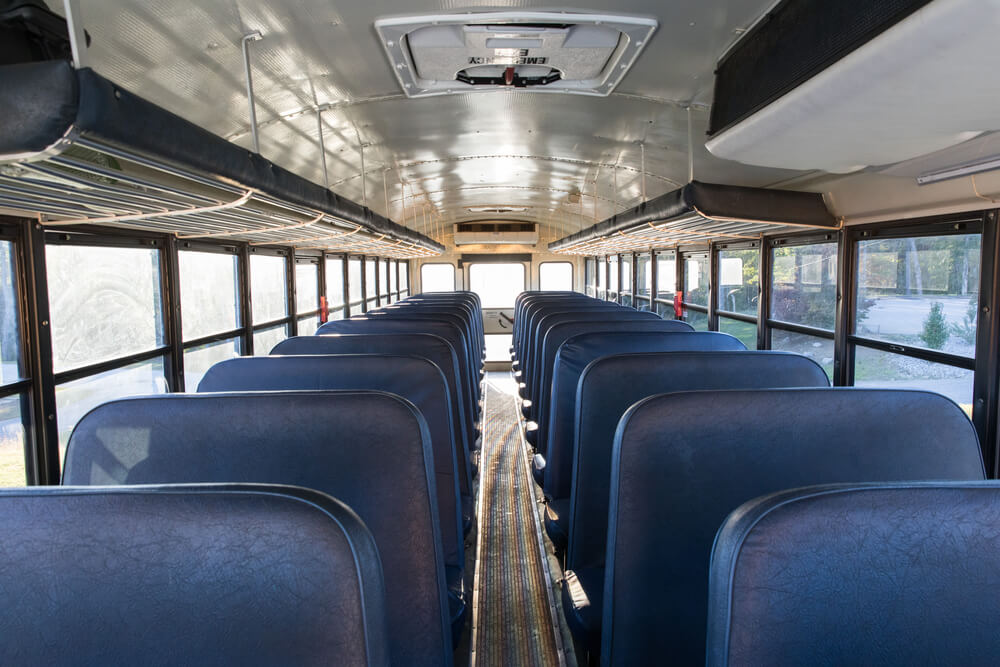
(683,462)
(446,330)
(562,328)
(187,574)
(858,574)
(579,350)
(413,378)
(610,385)
(433,348)
(371,450)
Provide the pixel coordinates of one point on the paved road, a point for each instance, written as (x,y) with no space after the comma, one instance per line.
(906,315)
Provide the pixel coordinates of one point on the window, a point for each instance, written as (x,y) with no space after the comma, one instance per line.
(818,349)
(437,278)
(105,303)
(77,398)
(613,278)
(306,286)
(626,286)
(917,292)
(666,276)
(745,331)
(383,284)
(11,369)
(497,284)
(922,292)
(208,293)
(590,276)
(404,278)
(371,286)
(354,270)
(308,325)
(12,441)
(697,319)
(555,276)
(602,276)
(13,407)
(393,273)
(264,340)
(335,297)
(268,288)
(643,277)
(739,281)
(197,360)
(696,277)
(804,285)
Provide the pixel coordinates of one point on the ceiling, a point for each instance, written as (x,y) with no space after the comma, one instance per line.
(569,159)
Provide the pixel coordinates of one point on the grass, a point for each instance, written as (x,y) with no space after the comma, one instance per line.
(11,461)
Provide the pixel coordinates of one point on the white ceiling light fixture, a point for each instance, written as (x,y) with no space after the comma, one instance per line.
(565,52)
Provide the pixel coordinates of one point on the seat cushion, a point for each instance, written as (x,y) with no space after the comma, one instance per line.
(582,597)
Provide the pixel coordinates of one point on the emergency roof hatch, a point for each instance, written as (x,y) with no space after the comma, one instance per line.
(546,51)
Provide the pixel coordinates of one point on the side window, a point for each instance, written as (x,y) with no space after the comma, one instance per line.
(555,276)
(209,306)
(437,278)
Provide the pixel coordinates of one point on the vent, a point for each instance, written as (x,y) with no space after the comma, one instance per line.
(493,233)
(541,51)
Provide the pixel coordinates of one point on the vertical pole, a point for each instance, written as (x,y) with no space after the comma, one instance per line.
(987,377)
(690,146)
(642,152)
(44,468)
(713,293)
(247,38)
(246,305)
(172,311)
(293,323)
(843,354)
(77,35)
(764,298)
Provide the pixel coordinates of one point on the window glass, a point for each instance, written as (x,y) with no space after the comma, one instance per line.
(383,284)
(10,337)
(666,276)
(208,293)
(746,332)
(555,276)
(268,287)
(696,280)
(665,310)
(104,303)
(437,278)
(12,471)
(354,279)
(197,360)
(497,284)
(393,272)
(643,276)
(589,276)
(739,281)
(404,275)
(498,347)
(77,398)
(602,268)
(920,291)
(874,368)
(804,285)
(626,272)
(336,314)
(306,287)
(265,339)
(697,319)
(613,276)
(818,349)
(308,325)
(335,281)
(370,279)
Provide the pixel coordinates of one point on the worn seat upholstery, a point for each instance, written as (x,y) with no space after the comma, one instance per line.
(371,450)
(606,390)
(173,575)
(858,574)
(414,378)
(679,470)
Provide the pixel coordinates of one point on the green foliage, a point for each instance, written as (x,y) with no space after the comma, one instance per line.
(966,329)
(935,333)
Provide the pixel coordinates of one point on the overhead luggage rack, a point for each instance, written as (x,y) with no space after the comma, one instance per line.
(75,149)
(700,213)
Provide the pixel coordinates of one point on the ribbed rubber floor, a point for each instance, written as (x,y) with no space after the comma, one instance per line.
(513,622)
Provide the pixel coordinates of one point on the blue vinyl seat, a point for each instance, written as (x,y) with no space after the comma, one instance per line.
(173,575)
(683,462)
(606,390)
(878,574)
(370,450)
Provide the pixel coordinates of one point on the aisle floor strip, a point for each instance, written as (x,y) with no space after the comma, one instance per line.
(513,614)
